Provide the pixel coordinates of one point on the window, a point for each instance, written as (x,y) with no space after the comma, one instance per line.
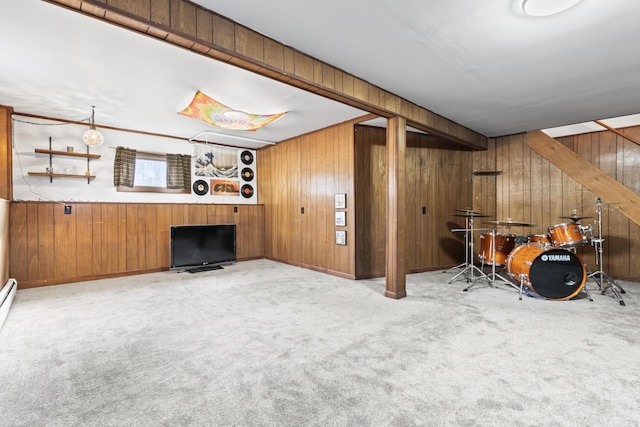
(139,171)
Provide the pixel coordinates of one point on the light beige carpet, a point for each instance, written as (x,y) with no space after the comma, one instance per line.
(266,344)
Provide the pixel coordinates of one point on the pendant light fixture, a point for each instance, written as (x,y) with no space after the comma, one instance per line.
(92,137)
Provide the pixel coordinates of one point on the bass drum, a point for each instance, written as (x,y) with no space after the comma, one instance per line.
(552,273)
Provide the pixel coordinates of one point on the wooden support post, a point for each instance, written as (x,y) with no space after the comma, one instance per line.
(6,180)
(395,270)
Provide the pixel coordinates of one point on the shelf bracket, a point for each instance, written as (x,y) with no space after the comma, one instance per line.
(485,173)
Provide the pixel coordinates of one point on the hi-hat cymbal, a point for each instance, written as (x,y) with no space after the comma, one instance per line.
(471,215)
(575,217)
(510,223)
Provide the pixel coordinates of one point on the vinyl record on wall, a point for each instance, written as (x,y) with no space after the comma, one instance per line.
(246,191)
(200,187)
(246,157)
(247,174)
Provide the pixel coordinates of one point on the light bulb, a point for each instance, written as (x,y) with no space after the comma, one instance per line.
(92,137)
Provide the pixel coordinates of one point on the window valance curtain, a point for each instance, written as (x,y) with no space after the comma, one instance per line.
(124,167)
(179,172)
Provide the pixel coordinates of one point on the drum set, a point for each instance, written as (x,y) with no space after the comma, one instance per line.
(546,264)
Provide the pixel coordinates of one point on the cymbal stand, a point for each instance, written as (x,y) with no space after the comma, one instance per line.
(616,289)
(466,245)
(469,269)
(491,278)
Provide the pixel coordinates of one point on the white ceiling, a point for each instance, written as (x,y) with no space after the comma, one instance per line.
(483,64)
(58,63)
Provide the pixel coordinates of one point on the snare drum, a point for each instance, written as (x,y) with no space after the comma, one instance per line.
(552,273)
(567,235)
(541,239)
(504,245)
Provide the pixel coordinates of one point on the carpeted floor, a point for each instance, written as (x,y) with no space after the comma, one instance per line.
(266,344)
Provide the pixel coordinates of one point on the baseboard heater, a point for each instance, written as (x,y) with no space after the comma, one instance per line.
(6,298)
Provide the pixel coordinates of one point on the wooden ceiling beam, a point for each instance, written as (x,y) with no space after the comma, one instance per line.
(190,26)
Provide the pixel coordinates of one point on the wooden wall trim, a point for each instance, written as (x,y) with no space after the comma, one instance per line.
(202,31)
(314,268)
(608,189)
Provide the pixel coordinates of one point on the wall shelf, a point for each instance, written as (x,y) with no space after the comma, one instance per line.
(61,175)
(52,153)
(68,153)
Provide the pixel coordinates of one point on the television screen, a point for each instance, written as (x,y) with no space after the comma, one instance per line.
(202,247)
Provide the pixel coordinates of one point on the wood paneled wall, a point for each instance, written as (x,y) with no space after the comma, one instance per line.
(4,242)
(306,173)
(531,189)
(438,180)
(111,239)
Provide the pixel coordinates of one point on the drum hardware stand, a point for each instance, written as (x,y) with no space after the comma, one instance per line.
(468,265)
(523,277)
(616,289)
(466,244)
(491,278)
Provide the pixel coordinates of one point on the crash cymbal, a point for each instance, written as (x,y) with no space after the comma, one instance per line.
(510,223)
(468,210)
(575,217)
(472,215)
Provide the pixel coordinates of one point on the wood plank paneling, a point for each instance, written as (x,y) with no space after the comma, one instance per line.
(84,238)
(106,239)
(306,172)
(5,247)
(413,202)
(45,237)
(553,194)
(18,242)
(441,180)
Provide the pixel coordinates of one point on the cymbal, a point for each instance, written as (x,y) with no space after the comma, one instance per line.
(468,210)
(510,223)
(601,203)
(471,215)
(575,217)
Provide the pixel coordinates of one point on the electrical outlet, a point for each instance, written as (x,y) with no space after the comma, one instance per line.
(67,209)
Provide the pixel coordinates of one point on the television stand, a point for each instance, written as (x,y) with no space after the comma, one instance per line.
(204,268)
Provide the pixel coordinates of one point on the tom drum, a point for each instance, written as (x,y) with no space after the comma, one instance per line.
(504,243)
(567,235)
(552,273)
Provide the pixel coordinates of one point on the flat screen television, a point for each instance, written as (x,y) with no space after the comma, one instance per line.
(202,247)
